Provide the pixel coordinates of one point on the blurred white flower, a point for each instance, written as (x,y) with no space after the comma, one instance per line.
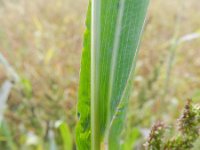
(32,139)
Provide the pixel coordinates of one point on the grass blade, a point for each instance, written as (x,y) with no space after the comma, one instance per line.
(108,61)
(83,132)
(66,136)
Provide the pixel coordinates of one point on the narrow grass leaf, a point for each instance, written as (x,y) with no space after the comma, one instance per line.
(66,136)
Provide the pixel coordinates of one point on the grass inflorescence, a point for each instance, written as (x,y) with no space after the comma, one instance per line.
(188,131)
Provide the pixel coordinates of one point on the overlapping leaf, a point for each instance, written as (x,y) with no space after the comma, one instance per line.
(120,30)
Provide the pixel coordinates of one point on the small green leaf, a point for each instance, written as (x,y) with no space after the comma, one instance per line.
(66,136)
(131,139)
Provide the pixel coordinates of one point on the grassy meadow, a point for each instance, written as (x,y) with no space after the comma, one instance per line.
(41,41)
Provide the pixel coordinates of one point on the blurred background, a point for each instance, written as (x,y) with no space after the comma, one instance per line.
(40,52)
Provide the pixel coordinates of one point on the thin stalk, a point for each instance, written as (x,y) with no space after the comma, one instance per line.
(172,56)
(95,54)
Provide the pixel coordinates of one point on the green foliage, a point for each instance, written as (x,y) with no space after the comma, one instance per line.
(66,136)
(131,139)
(26,88)
(6,139)
(116,31)
(83,127)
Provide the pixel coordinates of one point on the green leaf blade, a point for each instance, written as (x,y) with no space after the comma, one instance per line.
(66,136)
(83,128)
(132,25)
(107,69)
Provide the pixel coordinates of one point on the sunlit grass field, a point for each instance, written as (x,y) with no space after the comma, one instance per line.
(42,42)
